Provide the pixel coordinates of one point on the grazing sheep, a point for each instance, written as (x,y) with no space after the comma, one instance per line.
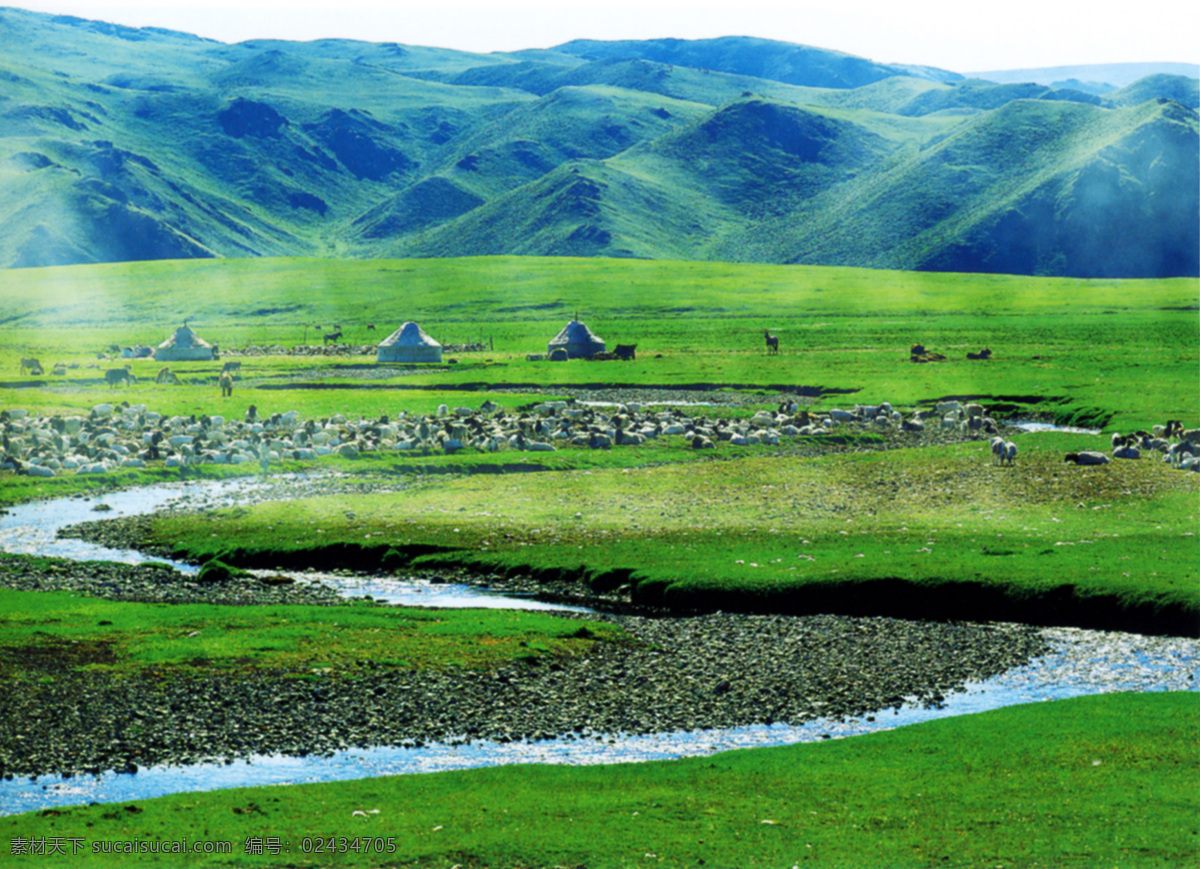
(1127,451)
(1010,452)
(998,450)
(1087,457)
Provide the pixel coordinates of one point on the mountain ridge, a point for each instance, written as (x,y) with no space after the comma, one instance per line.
(119,143)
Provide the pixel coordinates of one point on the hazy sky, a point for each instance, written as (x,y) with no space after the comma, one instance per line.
(959,35)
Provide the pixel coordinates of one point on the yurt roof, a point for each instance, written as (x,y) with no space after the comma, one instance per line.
(409,335)
(576,332)
(184,337)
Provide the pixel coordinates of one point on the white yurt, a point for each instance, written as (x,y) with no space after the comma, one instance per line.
(409,343)
(183,346)
(578,340)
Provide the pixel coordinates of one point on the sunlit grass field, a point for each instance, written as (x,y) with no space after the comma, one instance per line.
(1058,344)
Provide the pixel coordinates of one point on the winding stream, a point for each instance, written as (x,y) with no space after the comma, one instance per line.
(1082,662)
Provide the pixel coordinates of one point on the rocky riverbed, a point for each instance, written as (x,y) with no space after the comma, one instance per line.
(692,673)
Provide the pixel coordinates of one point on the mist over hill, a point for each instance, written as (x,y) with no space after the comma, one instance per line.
(122,144)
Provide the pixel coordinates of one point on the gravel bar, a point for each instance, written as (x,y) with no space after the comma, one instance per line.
(677,674)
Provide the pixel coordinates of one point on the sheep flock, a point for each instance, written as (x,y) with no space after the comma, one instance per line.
(112,436)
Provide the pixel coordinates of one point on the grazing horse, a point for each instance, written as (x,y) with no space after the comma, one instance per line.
(231,366)
(772,341)
(29,362)
(333,336)
(225,381)
(625,352)
(166,375)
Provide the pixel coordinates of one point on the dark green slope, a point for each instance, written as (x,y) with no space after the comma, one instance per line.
(1032,188)
(582,209)
(568,124)
(760,157)
(1128,207)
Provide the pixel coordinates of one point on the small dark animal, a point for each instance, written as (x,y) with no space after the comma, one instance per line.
(333,336)
(225,381)
(252,413)
(625,352)
(918,353)
(119,375)
(772,341)
(370,327)
(982,354)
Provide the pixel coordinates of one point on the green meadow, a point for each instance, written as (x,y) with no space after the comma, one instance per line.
(923,530)
(1097,781)
(1062,346)
(172,640)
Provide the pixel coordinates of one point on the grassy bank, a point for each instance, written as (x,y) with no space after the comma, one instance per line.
(1107,780)
(42,633)
(921,532)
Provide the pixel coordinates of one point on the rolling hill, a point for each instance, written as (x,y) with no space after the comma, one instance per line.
(126,144)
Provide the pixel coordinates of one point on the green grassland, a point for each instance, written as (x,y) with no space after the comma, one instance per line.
(1059,345)
(763,528)
(1106,780)
(170,640)
(744,528)
(920,532)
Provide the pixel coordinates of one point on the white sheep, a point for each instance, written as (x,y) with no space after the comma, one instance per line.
(1010,452)
(998,451)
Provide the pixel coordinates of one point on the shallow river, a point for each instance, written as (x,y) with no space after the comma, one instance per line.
(1083,662)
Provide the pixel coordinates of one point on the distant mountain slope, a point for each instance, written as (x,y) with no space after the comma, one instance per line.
(120,143)
(1185,91)
(1116,75)
(760,58)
